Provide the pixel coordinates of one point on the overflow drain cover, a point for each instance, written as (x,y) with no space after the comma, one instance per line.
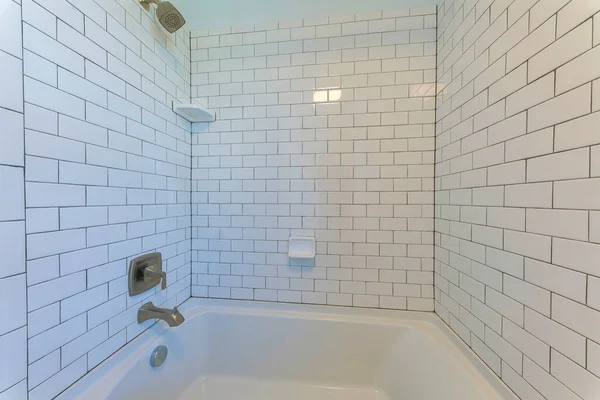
(158,356)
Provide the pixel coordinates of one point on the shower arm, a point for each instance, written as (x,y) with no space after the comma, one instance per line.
(146,3)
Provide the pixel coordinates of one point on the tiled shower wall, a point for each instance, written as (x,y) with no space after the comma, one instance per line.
(517,185)
(13,330)
(107,177)
(325,128)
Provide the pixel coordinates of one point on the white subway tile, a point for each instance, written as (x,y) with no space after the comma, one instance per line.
(534,246)
(558,223)
(39,68)
(43,369)
(79,87)
(596,37)
(484,352)
(504,349)
(529,295)
(573,14)
(45,46)
(84,343)
(56,100)
(593,299)
(41,119)
(560,52)
(574,164)
(581,194)
(534,42)
(104,79)
(543,10)
(12,96)
(65,11)
(14,346)
(595,227)
(578,71)
(11,152)
(80,44)
(593,352)
(59,382)
(531,145)
(576,316)
(576,378)
(41,220)
(531,95)
(45,244)
(567,106)
(545,383)
(575,255)
(520,386)
(505,306)
(12,201)
(530,345)
(10,29)
(12,291)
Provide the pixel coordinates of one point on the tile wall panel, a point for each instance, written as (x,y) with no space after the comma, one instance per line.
(107,178)
(325,128)
(517,190)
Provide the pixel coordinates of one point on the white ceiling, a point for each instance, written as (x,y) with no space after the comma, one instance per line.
(211,13)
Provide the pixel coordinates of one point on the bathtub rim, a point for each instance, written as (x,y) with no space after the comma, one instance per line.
(430,323)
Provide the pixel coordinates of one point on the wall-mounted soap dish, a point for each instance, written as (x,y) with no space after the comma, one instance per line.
(302,247)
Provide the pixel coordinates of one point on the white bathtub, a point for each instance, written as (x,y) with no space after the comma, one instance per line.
(230,350)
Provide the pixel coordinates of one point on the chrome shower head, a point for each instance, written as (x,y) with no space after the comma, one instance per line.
(168,16)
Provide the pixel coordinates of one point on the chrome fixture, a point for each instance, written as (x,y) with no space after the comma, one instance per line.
(146,272)
(166,13)
(158,356)
(150,311)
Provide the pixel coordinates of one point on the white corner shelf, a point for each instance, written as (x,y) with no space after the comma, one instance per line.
(302,247)
(194,112)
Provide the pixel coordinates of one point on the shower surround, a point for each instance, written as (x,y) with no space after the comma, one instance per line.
(325,128)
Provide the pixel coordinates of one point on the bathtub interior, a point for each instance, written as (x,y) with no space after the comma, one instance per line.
(228,354)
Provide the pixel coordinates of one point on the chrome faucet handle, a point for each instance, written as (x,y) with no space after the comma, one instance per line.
(163,276)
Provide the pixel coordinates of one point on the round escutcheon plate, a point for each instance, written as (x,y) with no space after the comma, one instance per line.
(158,356)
